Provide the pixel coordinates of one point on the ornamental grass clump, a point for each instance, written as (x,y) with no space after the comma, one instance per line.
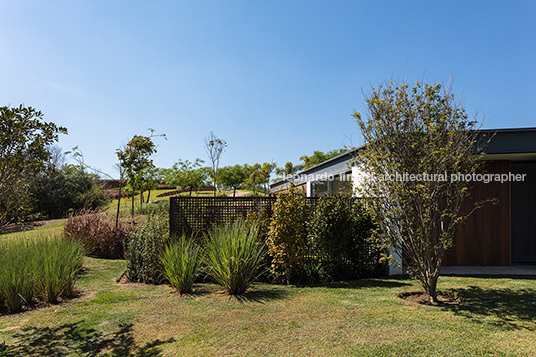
(234,255)
(181,263)
(40,269)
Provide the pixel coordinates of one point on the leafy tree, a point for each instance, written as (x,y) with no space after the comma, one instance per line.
(256,176)
(56,192)
(267,169)
(24,138)
(135,158)
(214,147)
(186,174)
(233,176)
(288,169)
(417,130)
(319,157)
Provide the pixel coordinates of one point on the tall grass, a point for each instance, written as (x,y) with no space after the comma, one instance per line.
(37,269)
(181,262)
(234,255)
(158,207)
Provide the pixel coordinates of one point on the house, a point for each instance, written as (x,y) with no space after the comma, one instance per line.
(503,234)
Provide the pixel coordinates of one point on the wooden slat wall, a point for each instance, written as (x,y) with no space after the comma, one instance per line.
(485,238)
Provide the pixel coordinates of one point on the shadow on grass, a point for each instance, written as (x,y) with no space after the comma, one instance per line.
(391,282)
(511,309)
(263,295)
(75,339)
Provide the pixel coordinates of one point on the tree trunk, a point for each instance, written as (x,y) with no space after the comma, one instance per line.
(190,191)
(118,206)
(132,208)
(431,288)
(141,198)
(234,191)
(148,196)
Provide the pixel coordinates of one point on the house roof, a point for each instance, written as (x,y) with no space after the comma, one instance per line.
(506,144)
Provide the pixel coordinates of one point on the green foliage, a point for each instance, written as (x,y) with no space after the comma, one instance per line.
(287,242)
(186,175)
(24,138)
(56,192)
(319,157)
(181,263)
(233,176)
(135,160)
(416,130)
(97,233)
(338,234)
(41,268)
(144,250)
(234,255)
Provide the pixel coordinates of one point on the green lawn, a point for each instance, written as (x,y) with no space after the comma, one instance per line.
(352,318)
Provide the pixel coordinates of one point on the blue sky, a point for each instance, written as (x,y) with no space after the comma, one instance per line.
(275,79)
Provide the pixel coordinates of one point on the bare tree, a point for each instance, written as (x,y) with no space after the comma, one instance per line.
(57,157)
(214,147)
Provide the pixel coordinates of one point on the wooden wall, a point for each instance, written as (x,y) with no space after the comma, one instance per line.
(485,237)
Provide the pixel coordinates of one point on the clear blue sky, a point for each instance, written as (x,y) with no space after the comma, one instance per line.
(276,79)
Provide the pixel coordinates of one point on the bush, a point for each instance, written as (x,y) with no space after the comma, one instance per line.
(234,255)
(181,262)
(338,235)
(44,268)
(97,233)
(144,251)
(287,241)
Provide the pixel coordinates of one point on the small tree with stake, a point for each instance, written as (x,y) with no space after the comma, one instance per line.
(214,147)
(417,130)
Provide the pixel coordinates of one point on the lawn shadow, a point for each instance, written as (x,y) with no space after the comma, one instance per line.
(262,295)
(74,339)
(507,307)
(390,282)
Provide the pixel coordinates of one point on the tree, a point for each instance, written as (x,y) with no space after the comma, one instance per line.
(214,148)
(186,174)
(135,158)
(419,130)
(288,169)
(233,176)
(319,157)
(24,138)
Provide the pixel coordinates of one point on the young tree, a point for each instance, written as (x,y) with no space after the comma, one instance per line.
(419,130)
(135,158)
(214,148)
(24,138)
(233,176)
(186,174)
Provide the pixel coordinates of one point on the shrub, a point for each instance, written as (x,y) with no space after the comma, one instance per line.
(181,262)
(43,268)
(144,250)
(97,233)
(287,241)
(234,255)
(338,234)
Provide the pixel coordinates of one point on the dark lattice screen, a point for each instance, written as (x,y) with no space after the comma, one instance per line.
(198,214)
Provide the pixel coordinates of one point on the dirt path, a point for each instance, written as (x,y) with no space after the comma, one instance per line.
(240,193)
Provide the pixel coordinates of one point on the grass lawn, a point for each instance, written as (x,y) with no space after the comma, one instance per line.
(352,318)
